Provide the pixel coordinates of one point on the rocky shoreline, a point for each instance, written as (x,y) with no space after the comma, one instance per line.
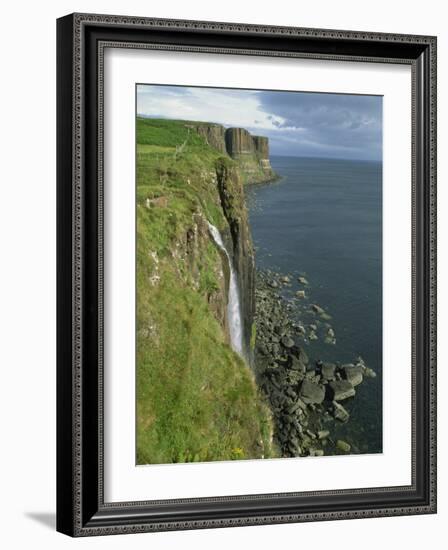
(304,394)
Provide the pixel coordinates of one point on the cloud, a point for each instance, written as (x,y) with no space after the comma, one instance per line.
(297,123)
(224,106)
(334,124)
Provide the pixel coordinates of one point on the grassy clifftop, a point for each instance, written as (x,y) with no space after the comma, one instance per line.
(196,398)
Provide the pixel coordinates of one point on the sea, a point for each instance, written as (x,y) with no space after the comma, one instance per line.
(322,220)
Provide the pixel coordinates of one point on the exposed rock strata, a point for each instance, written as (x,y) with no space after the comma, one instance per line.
(214,135)
(250,152)
(230,188)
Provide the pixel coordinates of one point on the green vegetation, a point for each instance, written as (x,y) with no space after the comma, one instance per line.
(253,336)
(196,399)
(160,132)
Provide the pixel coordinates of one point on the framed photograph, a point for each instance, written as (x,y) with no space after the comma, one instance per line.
(246,274)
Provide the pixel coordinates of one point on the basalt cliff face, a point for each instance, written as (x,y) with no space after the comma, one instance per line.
(250,152)
(214,135)
(230,188)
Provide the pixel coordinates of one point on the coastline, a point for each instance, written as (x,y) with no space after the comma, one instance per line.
(306,395)
(275,179)
(312,227)
(282,402)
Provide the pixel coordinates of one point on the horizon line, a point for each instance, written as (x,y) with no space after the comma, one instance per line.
(161,117)
(324,158)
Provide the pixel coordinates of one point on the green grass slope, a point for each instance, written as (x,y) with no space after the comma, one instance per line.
(196,398)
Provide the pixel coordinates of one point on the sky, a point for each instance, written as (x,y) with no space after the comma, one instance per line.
(298,124)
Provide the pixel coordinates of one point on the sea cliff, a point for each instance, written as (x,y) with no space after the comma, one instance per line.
(197,398)
(250,153)
(200,397)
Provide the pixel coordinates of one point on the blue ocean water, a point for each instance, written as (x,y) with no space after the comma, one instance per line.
(323,220)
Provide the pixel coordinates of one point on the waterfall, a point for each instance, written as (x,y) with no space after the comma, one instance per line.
(233,304)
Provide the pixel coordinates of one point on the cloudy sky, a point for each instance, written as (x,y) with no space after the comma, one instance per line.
(297,123)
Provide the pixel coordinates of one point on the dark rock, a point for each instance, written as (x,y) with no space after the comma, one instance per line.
(293,408)
(369,373)
(279,330)
(316,452)
(296,364)
(295,376)
(296,389)
(261,145)
(311,392)
(302,404)
(323,434)
(328,371)
(230,189)
(287,341)
(341,389)
(262,349)
(239,142)
(213,135)
(293,449)
(343,446)
(330,336)
(300,354)
(339,412)
(353,374)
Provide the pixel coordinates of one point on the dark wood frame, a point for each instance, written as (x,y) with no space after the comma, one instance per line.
(81,39)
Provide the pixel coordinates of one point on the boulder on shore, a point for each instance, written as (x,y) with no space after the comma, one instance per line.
(311,392)
(341,389)
(316,452)
(323,434)
(340,412)
(296,364)
(328,371)
(369,373)
(353,374)
(343,446)
(287,341)
(300,354)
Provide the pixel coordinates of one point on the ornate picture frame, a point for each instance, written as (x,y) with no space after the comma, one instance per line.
(81,42)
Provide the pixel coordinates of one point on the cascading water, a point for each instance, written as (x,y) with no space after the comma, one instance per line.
(233,304)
